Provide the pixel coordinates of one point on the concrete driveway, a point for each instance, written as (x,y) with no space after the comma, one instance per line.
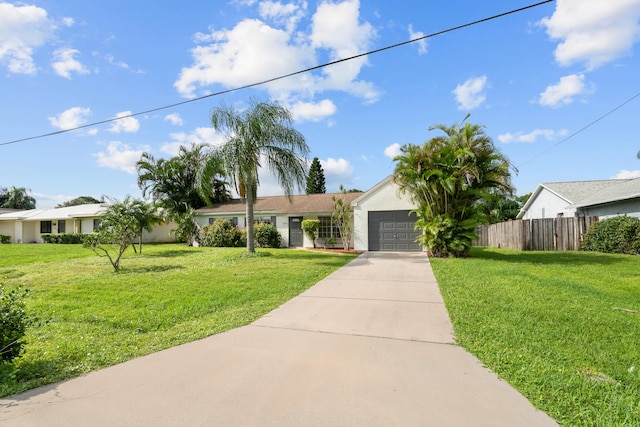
(370,345)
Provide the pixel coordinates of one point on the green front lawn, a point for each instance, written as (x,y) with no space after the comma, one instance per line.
(561,327)
(169,295)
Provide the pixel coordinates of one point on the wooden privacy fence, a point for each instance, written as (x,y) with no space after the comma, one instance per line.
(548,234)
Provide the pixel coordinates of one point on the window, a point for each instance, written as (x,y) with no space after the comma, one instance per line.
(232,219)
(264,219)
(62,226)
(45,227)
(96,224)
(327,229)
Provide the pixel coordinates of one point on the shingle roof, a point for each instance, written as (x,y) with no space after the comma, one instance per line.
(574,191)
(622,189)
(299,204)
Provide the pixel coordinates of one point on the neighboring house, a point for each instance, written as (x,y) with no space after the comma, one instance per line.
(603,199)
(286,214)
(28,226)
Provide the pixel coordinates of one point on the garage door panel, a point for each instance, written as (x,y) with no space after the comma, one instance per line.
(392,231)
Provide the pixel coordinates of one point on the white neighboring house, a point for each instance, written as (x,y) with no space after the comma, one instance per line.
(606,198)
(28,226)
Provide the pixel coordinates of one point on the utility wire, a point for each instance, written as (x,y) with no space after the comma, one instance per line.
(284,76)
(585,128)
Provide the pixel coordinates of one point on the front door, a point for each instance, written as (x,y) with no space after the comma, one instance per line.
(295,231)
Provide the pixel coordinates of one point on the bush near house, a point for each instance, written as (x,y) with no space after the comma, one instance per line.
(267,236)
(221,233)
(619,234)
(4,239)
(63,238)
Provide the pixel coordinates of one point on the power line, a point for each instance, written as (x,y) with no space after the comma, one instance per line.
(284,76)
(585,128)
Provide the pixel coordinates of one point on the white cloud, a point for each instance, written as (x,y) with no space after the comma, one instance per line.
(470,94)
(174,119)
(254,51)
(336,171)
(564,91)
(23,29)
(71,118)
(422,44)
(120,156)
(68,21)
(125,124)
(593,32)
(313,111)
(64,63)
(392,151)
(199,136)
(288,14)
(548,134)
(625,174)
(113,61)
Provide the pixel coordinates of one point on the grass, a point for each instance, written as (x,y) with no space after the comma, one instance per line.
(169,295)
(561,327)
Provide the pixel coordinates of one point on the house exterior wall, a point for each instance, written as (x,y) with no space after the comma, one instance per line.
(160,234)
(7,228)
(384,198)
(627,207)
(548,205)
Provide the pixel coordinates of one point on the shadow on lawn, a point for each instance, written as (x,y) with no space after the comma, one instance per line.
(550,257)
(149,269)
(170,254)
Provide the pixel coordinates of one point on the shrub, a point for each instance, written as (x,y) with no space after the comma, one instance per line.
(14,322)
(310,228)
(221,234)
(267,236)
(620,234)
(4,239)
(63,238)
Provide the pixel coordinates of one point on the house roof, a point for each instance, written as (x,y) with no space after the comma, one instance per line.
(299,204)
(79,211)
(621,189)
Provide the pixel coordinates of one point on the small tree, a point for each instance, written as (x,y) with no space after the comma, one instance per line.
(310,228)
(118,230)
(341,217)
(315,178)
(82,200)
(14,321)
(146,215)
(187,228)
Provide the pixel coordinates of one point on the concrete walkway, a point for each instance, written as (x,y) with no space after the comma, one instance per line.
(370,345)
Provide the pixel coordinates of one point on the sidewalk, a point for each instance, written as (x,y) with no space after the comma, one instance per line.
(370,345)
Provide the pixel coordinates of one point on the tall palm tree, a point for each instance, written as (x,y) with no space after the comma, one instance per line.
(260,136)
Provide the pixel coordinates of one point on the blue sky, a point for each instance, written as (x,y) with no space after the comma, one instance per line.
(532,79)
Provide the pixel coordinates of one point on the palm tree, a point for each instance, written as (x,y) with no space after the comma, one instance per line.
(174,182)
(447,178)
(260,136)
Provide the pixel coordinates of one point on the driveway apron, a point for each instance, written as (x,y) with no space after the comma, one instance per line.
(369,345)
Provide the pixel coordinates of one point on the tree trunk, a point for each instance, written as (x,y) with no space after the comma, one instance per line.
(249,211)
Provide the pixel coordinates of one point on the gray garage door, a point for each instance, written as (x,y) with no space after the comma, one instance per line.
(392,231)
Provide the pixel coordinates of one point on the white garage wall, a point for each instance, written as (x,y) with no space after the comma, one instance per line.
(384,196)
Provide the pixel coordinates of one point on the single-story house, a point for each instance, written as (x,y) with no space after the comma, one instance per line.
(381,217)
(604,198)
(27,226)
(286,214)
